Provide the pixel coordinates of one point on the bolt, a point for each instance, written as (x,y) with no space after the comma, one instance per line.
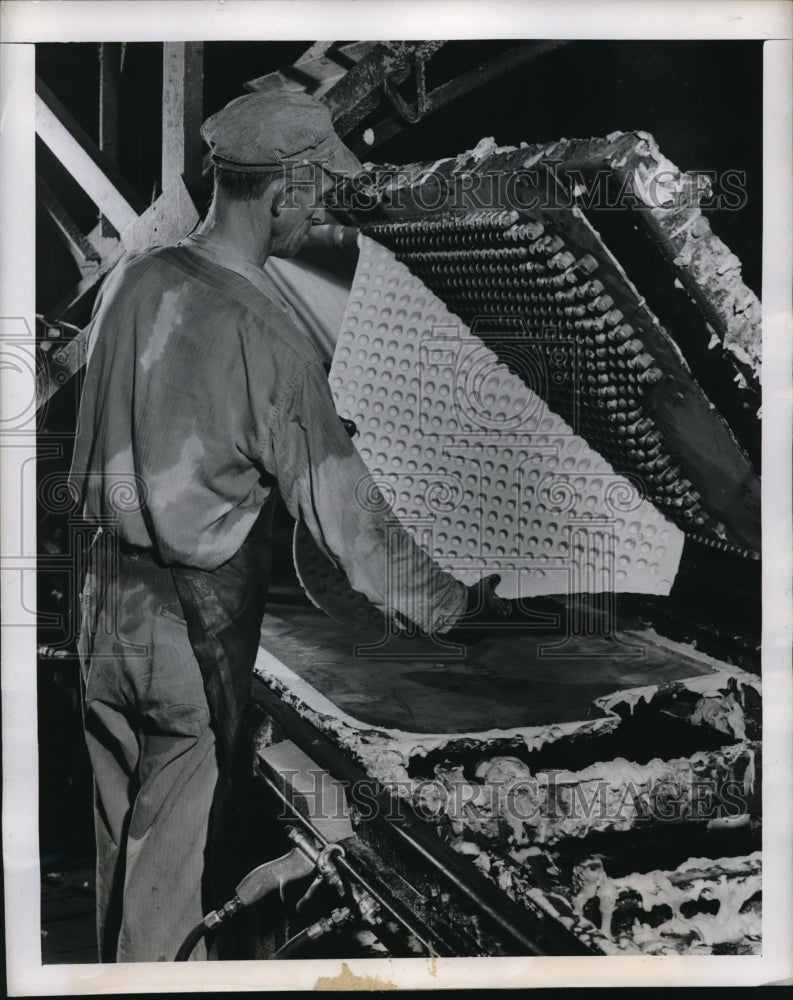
(641,427)
(651,377)
(562,261)
(530,231)
(631,347)
(601,304)
(587,264)
(642,362)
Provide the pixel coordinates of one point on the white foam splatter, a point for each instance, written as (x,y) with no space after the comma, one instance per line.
(168,317)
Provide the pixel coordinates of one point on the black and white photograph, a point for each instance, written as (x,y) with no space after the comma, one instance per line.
(396,443)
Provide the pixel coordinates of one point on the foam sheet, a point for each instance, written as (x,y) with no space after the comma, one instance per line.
(459,444)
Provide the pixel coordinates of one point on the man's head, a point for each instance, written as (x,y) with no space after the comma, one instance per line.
(279,151)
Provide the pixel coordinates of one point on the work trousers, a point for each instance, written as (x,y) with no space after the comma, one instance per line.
(166,659)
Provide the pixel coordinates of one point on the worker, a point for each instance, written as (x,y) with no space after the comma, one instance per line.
(202,400)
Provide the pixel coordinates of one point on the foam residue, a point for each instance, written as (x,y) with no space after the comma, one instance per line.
(508,800)
(725,887)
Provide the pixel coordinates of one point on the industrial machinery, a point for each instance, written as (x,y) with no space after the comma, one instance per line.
(596,792)
(586,779)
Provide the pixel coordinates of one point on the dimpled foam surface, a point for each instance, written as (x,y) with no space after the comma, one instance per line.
(460,445)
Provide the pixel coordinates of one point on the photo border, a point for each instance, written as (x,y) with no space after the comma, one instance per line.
(24,23)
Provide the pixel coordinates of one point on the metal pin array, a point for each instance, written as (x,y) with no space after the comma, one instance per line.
(511,275)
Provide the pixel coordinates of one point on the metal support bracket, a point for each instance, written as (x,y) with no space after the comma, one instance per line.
(400,105)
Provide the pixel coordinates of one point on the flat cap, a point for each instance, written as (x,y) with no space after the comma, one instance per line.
(261,131)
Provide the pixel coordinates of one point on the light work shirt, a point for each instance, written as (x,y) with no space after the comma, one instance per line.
(200,395)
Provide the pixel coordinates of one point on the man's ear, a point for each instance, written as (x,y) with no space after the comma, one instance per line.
(280,196)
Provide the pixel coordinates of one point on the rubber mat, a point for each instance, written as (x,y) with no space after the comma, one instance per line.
(510,679)
(459,444)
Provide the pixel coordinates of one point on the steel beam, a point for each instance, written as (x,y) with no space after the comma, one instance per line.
(182,113)
(85,254)
(86,163)
(316,71)
(109,75)
(359,91)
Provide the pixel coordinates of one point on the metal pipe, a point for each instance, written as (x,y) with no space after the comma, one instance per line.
(415,845)
(343,863)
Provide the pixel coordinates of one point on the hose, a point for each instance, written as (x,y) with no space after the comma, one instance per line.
(314,931)
(293,944)
(210,920)
(189,943)
(257,884)
(253,884)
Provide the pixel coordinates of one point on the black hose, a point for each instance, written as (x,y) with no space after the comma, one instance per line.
(293,944)
(189,943)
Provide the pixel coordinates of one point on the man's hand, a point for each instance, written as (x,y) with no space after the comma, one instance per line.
(486,613)
(484,607)
(484,610)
